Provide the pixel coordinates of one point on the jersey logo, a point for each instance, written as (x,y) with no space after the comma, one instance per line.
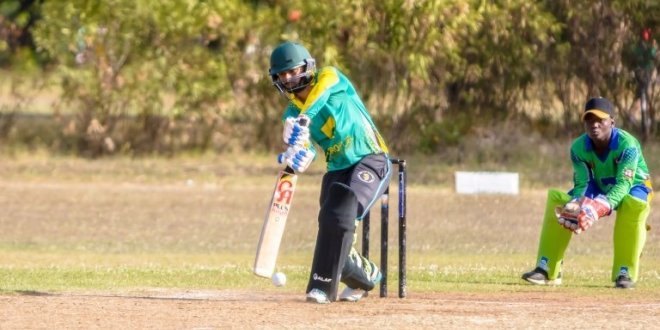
(318,277)
(328,128)
(366,176)
(628,173)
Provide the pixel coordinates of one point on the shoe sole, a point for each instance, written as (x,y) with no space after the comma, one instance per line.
(554,282)
(314,300)
(350,299)
(624,283)
(318,297)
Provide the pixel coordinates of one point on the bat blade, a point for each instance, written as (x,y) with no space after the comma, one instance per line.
(274,223)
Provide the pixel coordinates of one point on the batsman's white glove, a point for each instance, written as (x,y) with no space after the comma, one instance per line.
(294,132)
(567,216)
(297,157)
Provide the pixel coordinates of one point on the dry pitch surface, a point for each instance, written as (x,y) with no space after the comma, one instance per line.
(170,309)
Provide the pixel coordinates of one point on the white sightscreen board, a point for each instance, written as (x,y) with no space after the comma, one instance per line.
(487,182)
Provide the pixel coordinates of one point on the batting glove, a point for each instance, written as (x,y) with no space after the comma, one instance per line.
(298,158)
(593,209)
(294,133)
(567,216)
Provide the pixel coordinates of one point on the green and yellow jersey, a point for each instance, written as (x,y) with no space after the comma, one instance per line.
(340,123)
(614,173)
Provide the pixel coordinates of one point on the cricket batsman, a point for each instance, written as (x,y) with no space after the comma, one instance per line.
(609,173)
(358,167)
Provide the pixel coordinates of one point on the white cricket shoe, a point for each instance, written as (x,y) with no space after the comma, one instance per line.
(352,295)
(317,296)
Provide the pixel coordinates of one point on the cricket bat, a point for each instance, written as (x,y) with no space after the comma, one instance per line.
(276,215)
(273,228)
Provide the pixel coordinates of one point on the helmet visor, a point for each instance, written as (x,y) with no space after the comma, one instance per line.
(295,81)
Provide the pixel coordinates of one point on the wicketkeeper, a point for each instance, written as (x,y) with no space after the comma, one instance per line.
(609,173)
(357,162)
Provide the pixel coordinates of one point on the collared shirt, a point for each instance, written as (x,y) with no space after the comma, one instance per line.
(615,172)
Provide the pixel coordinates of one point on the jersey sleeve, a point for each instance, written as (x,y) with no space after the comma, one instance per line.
(625,174)
(580,172)
(290,111)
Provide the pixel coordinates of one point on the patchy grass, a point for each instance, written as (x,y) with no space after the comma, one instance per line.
(68,271)
(70,224)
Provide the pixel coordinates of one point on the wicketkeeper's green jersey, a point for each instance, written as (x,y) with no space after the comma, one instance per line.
(615,172)
(340,123)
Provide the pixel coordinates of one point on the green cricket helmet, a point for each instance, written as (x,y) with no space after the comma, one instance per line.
(290,55)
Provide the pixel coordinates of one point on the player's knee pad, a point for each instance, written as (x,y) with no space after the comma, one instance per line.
(340,208)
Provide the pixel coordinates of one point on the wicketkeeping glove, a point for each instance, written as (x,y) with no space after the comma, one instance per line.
(593,209)
(294,133)
(297,157)
(567,216)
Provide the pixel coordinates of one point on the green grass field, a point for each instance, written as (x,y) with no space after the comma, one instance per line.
(70,225)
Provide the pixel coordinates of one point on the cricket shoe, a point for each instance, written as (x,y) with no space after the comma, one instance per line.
(540,277)
(317,296)
(624,282)
(353,295)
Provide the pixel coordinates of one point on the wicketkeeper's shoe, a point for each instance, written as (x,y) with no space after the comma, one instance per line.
(350,294)
(624,282)
(317,296)
(540,277)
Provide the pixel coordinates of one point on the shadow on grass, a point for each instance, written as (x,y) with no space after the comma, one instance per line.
(33,293)
(521,283)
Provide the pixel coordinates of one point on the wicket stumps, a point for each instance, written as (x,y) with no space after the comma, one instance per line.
(384,220)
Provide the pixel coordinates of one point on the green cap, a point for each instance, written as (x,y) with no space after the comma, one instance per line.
(287,56)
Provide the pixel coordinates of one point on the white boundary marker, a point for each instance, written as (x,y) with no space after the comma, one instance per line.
(487,182)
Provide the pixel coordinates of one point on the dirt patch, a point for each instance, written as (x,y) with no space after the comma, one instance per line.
(172,309)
